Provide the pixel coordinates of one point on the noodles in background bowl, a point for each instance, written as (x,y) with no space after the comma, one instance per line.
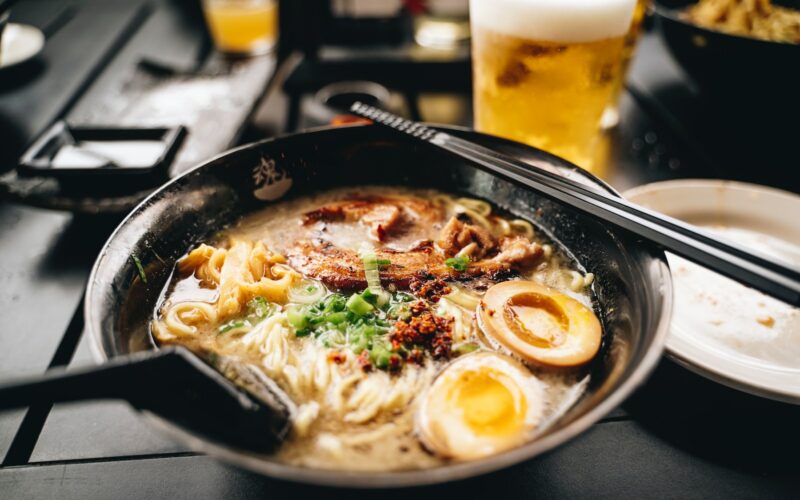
(751,18)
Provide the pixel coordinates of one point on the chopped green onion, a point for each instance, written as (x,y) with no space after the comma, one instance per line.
(458,263)
(380,354)
(337,318)
(369,296)
(373,276)
(297,317)
(234,324)
(381,359)
(357,305)
(307,292)
(258,308)
(139,268)
(404,297)
(383,262)
(399,311)
(358,323)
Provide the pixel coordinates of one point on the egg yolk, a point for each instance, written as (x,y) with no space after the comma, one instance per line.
(537,319)
(490,403)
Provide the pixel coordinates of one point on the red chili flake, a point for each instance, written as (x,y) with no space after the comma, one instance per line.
(431,289)
(424,331)
(337,357)
(418,308)
(416,356)
(363,361)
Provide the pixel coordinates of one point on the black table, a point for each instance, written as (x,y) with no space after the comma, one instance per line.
(678,436)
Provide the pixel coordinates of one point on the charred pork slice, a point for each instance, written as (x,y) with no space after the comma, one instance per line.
(383,216)
(343,269)
(459,234)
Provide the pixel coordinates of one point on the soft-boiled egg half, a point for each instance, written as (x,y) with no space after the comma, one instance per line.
(481,404)
(539,324)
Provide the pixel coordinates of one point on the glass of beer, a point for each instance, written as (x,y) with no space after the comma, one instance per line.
(611,115)
(242,27)
(545,70)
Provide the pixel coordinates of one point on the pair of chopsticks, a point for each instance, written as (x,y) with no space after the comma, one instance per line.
(746,267)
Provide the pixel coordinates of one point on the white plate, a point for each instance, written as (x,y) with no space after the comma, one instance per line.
(720,329)
(20,42)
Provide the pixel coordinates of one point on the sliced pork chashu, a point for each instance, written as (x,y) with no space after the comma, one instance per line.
(386,220)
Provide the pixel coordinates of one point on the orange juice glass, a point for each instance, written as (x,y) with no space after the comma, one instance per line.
(242,27)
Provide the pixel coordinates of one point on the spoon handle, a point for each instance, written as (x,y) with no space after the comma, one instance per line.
(125,377)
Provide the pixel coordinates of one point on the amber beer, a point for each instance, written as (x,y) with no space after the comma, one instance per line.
(545,70)
(611,114)
(243,27)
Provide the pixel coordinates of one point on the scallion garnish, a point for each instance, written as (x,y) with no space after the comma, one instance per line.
(307,291)
(358,322)
(458,263)
(358,305)
(233,324)
(258,308)
(139,268)
(373,276)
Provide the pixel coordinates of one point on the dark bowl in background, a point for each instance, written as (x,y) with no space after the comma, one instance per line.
(725,65)
(748,101)
(633,284)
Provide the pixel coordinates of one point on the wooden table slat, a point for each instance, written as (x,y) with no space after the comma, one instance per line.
(620,459)
(93,430)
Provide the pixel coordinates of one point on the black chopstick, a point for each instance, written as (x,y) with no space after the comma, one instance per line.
(685,240)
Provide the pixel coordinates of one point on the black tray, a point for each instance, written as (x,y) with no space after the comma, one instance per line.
(39,159)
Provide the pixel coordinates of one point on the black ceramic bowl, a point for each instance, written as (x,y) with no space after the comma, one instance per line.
(633,285)
(745,72)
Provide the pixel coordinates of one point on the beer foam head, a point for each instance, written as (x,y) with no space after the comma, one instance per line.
(554,20)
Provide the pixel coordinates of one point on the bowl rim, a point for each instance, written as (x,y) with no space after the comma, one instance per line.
(672,14)
(266,465)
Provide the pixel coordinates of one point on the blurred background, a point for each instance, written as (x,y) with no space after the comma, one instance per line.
(684,102)
(101,101)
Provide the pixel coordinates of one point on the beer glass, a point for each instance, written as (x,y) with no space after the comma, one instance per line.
(545,70)
(611,115)
(242,27)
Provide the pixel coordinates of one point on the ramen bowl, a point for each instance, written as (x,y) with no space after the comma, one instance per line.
(632,286)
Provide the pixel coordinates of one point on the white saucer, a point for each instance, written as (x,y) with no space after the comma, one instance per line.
(20,42)
(721,329)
